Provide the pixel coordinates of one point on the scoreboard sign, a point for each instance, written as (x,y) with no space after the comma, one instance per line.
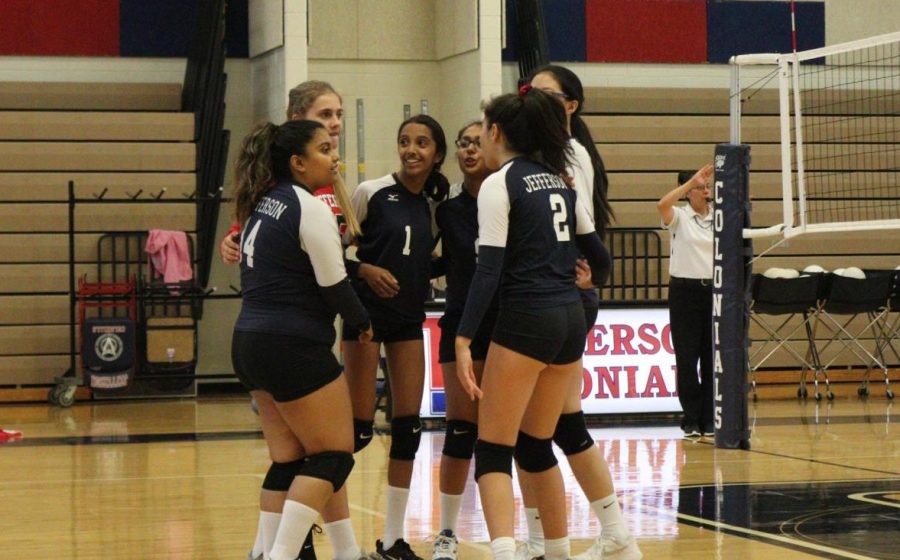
(628,365)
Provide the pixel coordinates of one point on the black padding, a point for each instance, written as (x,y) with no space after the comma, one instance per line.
(281,475)
(333,466)
(363,431)
(406,433)
(459,442)
(534,455)
(493,457)
(571,434)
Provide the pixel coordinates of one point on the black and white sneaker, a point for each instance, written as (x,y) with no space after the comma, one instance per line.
(308,551)
(446,546)
(691,431)
(400,550)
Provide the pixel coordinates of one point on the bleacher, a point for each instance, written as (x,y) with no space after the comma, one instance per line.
(118,140)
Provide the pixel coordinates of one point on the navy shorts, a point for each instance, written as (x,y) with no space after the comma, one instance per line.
(479,347)
(386,330)
(552,335)
(590,301)
(287,367)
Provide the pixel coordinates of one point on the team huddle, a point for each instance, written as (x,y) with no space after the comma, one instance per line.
(522,253)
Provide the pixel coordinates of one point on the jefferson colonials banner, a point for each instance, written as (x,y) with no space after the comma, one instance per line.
(731,273)
(628,367)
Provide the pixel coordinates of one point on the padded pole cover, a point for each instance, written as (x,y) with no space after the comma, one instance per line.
(731,281)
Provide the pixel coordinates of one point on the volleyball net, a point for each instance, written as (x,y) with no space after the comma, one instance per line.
(835,147)
(839,126)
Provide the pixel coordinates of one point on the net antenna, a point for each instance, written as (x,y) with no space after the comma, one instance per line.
(839,121)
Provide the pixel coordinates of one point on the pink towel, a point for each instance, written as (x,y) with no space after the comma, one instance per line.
(169,254)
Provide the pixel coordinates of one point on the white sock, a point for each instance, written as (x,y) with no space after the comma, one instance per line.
(268,523)
(394,521)
(450,504)
(258,544)
(610,515)
(535,530)
(343,540)
(503,548)
(296,521)
(556,549)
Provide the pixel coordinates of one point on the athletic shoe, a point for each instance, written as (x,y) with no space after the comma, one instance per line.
(524,551)
(307,551)
(691,431)
(9,435)
(611,548)
(445,546)
(709,431)
(399,551)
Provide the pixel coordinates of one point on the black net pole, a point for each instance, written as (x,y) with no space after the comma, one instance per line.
(531,37)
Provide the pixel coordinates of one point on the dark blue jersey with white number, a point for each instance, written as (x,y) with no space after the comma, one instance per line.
(396,226)
(532,213)
(290,250)
(457,219)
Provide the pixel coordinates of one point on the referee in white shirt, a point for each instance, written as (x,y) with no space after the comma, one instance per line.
(690,295)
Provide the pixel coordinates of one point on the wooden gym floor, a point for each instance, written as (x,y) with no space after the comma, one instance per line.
(179,480)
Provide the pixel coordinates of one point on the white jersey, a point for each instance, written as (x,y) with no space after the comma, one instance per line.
(582,172)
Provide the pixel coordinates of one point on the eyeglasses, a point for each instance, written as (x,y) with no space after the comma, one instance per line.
(464,143)
(558,94)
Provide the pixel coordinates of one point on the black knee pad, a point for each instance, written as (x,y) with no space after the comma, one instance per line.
(281,475)
(333,466)
(459,442)
(493,457)
(534,455)
(406,432)
(363,431)
(571,433)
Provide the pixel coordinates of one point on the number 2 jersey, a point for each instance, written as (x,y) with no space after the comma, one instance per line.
(529,223)
(397,236)
(293,279)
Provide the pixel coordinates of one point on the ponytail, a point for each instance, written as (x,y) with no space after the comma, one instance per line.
(265,158)
(571,86)
(534,125)
(437,186)
(342,194)
(253,170)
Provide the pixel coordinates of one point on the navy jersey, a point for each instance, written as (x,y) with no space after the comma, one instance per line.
(397,236)
(532,214)
(457,219)
(290,247)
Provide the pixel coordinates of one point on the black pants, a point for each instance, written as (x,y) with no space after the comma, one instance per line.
(690,315)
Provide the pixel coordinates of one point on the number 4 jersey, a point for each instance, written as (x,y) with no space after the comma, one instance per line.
(293,279)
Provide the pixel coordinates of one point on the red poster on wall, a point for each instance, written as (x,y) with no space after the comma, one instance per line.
(54,28)
(646,31)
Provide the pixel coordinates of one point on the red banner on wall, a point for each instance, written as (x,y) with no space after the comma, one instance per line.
(646,31)
(628,364)
(54,28)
